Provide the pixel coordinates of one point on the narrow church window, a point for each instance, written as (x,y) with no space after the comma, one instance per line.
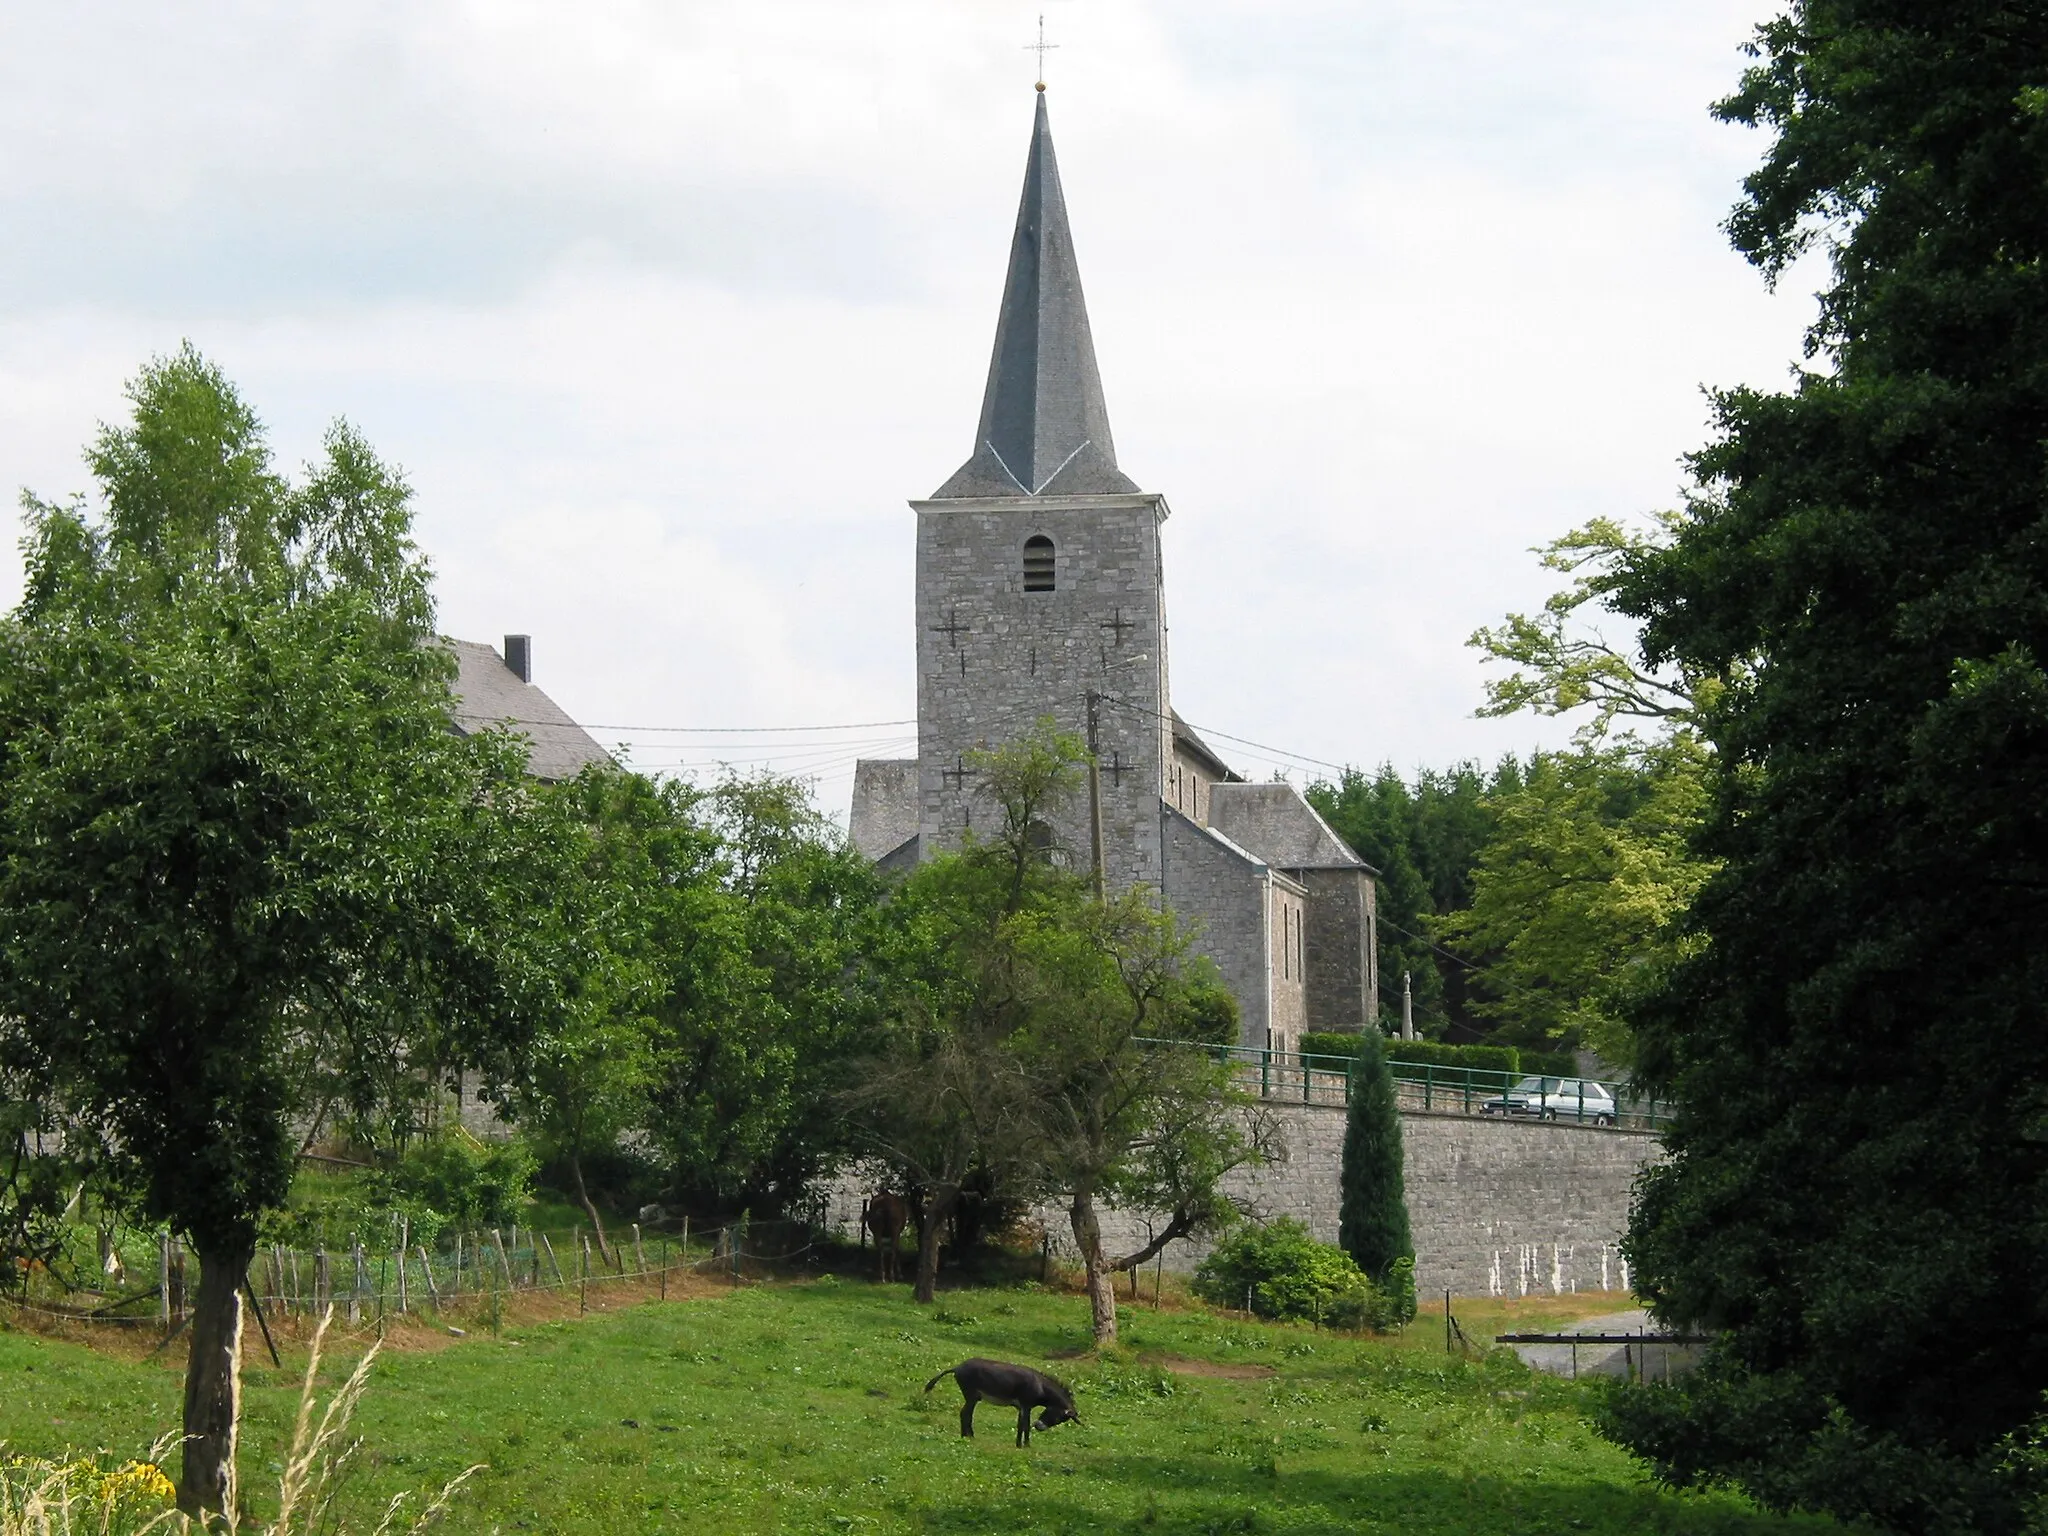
(1038,568)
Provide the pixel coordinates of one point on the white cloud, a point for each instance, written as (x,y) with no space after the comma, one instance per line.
(667,309)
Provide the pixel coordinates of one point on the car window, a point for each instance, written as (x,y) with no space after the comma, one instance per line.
(1529,1085)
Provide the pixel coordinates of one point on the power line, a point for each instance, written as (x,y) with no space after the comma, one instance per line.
(1220,735)
(698,730)
(1470,965)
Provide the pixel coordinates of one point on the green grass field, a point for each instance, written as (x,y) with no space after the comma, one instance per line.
(800,1408)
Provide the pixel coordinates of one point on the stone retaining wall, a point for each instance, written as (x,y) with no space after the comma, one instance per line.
(1498,1207)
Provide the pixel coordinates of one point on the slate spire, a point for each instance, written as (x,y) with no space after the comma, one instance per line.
(1044,428)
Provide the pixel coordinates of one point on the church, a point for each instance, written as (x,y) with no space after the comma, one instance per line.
(1041,593)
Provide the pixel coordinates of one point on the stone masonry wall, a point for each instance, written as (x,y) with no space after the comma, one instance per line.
(1220,894)
(993,659)
(1498,1207)
(1285,943)
(1340,970)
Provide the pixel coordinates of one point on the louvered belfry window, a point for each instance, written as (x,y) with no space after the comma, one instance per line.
(1038,571)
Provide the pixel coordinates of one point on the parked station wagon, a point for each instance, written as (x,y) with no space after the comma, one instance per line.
(1556,1098)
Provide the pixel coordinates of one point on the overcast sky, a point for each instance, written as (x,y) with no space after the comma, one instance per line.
(666,309)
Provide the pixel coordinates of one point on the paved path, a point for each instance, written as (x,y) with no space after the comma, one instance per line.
(1606,1359)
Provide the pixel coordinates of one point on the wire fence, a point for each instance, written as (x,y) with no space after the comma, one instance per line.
(461,1271)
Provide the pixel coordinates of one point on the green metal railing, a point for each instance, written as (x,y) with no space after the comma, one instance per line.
(1293,1076)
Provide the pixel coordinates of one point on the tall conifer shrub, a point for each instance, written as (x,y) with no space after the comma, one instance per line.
(1372,1222)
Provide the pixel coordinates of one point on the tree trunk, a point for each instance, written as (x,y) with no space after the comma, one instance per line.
(935,1212)
(604,1246)
(213,1379)
(1101,1278)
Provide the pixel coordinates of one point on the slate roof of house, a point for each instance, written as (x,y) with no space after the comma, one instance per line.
(1276,824)
(1044,427)
(488,693)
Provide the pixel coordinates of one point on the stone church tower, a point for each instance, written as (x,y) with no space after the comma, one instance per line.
(1040,593)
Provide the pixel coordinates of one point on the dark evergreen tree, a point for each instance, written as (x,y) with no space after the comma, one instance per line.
(1376,816)
(1857,1195)
(1372,1221)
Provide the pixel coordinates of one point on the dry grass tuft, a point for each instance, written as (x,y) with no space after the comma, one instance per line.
(79,1497)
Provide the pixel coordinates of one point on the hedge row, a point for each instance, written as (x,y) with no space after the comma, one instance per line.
(1486,1058)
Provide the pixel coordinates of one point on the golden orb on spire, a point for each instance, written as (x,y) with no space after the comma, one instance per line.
(1041,85)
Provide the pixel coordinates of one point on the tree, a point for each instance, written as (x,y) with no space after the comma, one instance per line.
(1379,818)
(1578,901)
(1020,1057)
(1372,1218)
(1113,1118)
(943,1099)
(589,1079)
(1564,663)
(1425,841)
(767,990)
(1856,1200)
(236,832)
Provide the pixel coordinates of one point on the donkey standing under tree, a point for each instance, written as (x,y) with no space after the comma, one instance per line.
(886,1216)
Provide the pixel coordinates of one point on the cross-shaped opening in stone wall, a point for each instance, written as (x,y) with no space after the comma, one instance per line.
(952,629)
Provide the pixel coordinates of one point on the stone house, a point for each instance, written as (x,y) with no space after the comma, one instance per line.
(1041,594)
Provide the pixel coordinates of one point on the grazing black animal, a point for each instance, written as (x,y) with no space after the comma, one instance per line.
(1009,1386)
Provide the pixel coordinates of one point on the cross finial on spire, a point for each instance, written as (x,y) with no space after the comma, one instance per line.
(1041,48)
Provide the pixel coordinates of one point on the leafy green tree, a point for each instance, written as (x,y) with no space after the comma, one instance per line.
(1020,1057)
(942,1101)
(235,830)
(589,1078)
(1857,1196)
(1580,897)
(1146,1128)
(769,991)
(717,949)
(1372,1217)
(1564,662)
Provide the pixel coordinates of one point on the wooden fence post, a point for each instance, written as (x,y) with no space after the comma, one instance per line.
(639,1253)
(404,1238)
(177,1281)
(582,1269)
(427,1269)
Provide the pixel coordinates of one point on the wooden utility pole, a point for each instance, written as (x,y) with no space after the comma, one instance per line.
(1095,794)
